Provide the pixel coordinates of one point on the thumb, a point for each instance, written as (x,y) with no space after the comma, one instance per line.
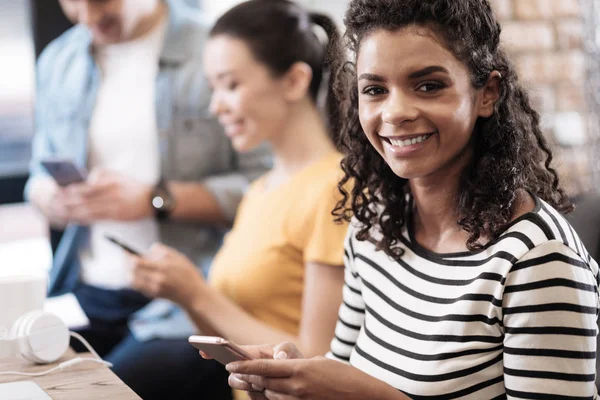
(286,350)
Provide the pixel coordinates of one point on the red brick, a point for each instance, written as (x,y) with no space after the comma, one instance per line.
(504,9)
(552,67)
(566,8)
(525,36)
(569,34)
(544,9)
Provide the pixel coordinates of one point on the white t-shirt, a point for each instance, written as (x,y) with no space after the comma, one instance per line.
(123,137)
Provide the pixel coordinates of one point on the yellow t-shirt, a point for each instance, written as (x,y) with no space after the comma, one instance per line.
(261,263)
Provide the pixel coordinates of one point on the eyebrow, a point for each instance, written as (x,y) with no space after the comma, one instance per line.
(371,77)
(415,75)
(426,71)
(224,74)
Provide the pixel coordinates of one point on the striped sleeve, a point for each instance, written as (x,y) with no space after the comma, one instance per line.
(550,305)
(352,310)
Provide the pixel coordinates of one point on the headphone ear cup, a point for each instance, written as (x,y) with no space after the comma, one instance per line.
(17,327)
(45,337)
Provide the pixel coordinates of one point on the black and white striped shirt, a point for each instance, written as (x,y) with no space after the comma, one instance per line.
(515,320)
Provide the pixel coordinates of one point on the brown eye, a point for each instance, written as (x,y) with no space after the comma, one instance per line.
(373,91)
(428,87)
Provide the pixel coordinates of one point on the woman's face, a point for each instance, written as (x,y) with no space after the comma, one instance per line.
(248,100)
(417,105)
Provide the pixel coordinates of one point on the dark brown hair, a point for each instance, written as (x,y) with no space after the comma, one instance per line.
(510,152)
(280,33)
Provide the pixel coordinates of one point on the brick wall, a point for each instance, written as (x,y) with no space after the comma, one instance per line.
(544,38)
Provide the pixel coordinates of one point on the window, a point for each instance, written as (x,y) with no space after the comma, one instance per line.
(17,77)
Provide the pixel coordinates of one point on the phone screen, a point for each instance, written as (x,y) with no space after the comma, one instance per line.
(64,172)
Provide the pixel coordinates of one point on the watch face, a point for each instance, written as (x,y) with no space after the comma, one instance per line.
(158,202)
(162,200)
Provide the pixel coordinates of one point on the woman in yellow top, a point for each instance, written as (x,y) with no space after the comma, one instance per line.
(279,275)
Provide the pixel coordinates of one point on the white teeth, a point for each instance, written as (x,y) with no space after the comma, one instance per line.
(408,142)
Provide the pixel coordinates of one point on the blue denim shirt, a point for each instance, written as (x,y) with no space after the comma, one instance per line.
(192,148)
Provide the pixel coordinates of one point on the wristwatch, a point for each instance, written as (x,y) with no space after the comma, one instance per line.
(162,201)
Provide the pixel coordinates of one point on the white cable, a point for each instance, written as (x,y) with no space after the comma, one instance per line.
(86,344)
(68,363)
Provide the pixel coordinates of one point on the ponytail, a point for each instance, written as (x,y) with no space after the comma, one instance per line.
(332,61)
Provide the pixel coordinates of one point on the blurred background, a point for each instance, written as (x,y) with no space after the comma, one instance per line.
(555,44)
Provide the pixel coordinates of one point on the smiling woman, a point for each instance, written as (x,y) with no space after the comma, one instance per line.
(463,279)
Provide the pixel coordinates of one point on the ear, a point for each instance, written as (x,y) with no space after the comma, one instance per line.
(297,80)
(490,94)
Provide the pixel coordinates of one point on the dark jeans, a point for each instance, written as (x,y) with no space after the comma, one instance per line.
(155,369)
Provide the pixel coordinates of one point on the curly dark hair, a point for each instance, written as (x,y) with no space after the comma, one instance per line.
(511,154)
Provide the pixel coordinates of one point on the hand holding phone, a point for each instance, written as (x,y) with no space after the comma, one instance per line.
(64,171)
(220,349)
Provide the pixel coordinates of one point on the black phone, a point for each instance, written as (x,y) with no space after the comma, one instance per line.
(126,247)
(64,171)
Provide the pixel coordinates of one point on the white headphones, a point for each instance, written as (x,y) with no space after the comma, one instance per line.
(38,336)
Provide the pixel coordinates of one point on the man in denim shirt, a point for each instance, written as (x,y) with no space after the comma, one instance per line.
(123,94)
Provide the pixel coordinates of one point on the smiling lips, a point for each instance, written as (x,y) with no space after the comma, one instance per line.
(398,142)
(406,144)
(232,128)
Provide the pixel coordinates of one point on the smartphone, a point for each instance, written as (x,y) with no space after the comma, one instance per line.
(220,349)
(64,171)
(126,247)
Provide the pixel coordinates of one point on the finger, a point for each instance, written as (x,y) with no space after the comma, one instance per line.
(257,388)
(265,368)
(260,351)
(273,395)
(205,356)
(74,189)
(146,283)
(159,251)
(145,264)
(91,211)
(260,383)
(139,281)
(59,210)
(89,190)
(239,384)
(286,350)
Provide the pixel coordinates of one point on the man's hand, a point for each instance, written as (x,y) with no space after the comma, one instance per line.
(106,195)
(166,273)
(49,198)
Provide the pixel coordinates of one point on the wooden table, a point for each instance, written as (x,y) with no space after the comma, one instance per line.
(87,380)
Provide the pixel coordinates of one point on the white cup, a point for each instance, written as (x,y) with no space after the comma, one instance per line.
(19,295)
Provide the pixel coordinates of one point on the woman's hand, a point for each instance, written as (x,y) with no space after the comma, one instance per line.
(164,272)
(289,378)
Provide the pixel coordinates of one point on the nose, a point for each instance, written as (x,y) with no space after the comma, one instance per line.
(398,109)
(217,105)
